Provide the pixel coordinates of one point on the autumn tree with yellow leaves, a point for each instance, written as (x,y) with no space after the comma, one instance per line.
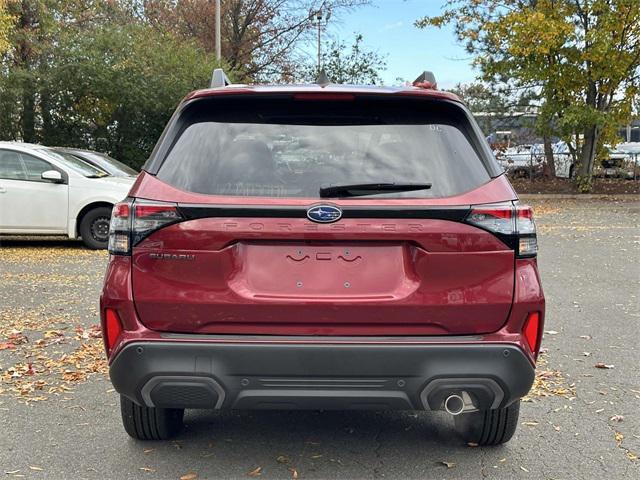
(6,22)
(581,57)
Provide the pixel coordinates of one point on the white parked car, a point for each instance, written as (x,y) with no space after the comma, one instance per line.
(43,192)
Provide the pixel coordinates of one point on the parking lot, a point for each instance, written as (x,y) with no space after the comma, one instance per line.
(60,416)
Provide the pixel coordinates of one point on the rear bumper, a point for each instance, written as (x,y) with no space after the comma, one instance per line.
(289,375)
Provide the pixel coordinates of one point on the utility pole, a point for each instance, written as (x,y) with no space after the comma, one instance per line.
(321,20)
(218,42)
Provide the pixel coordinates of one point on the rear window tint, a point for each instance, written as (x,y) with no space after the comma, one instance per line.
(288,148)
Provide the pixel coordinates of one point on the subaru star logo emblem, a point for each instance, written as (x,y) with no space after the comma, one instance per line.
(324,213)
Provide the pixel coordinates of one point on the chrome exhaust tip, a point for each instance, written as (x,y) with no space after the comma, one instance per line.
(454,404)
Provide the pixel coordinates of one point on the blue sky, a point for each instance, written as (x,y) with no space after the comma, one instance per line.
(387,27)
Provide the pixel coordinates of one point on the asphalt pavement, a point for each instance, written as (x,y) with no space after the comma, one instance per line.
(59,416)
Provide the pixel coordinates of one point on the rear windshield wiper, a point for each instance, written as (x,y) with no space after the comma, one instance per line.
(361,189)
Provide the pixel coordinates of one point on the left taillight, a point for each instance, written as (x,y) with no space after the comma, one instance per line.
(511,223)
(131,222)
(120,229)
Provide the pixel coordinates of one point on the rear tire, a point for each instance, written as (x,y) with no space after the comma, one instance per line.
(94,228)
(147,423)
(489,427)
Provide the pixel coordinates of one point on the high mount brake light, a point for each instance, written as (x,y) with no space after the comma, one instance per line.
(131,222)
(325,97)
(512,224)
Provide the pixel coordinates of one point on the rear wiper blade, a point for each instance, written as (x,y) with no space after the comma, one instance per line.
(361,189)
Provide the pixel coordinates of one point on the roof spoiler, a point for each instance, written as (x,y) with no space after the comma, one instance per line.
(219,79)
(426,80)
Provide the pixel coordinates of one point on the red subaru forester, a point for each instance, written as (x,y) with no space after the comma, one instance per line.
(322,247)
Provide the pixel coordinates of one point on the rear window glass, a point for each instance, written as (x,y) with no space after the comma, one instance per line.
(289,148)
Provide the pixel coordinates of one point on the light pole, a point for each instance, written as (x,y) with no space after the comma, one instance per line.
(218,45)
(320,19)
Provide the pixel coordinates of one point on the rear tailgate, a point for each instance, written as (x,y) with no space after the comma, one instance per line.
(262,275)
(245,259)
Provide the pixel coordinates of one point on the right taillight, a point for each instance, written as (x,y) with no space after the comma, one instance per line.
(131,222)
(512,224)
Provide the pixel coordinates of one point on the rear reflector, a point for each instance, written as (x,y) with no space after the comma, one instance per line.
(532,331)
(112,327)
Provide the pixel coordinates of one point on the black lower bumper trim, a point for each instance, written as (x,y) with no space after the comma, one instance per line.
(318,376)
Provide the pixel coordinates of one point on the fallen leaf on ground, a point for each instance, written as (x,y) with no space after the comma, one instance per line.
(283,459)
(189,476)
(318,455)
(523,469)
(586,337)
(148,469)
(472,444)
(604,366)
(37,469)
(618,437)
(256,472)
(617,418)
(551,332)
(530,424)
(448,464)
(294,473)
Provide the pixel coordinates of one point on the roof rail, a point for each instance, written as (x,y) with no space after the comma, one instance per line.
(426,80)
(219,79)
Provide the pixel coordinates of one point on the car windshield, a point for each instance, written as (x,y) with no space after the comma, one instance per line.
(294,149)
(78,165)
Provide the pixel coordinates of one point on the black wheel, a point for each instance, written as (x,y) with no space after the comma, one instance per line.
(94,228)
(489,427)
(147,423)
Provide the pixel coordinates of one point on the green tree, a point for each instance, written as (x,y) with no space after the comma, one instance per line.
(582,57)
(347,65)
(95,75)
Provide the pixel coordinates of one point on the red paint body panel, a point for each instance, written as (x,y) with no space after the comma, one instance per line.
(400,280)
(284,276)
(118,294)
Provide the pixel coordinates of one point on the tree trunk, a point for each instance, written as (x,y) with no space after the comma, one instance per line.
(28,113)
(48,136)
(589,148)
(548,153)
